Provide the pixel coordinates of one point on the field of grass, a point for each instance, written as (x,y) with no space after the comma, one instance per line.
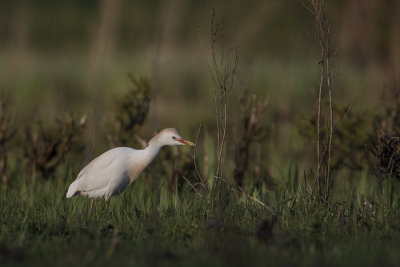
(157,227)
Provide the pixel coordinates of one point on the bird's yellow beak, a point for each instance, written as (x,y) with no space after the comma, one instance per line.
(184,141)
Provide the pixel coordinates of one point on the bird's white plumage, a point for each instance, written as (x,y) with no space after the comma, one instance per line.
(110,173)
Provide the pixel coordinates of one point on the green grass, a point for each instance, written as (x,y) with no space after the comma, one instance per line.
(148,225)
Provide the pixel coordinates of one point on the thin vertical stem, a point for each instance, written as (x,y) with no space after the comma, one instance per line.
(324,158)
(319,163)
(328,77)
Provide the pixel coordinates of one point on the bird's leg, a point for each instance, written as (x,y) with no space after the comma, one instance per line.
(91,205)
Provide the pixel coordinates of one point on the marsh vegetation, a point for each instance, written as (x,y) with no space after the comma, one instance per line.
(294,110)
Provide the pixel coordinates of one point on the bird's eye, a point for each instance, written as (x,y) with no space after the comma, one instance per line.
(173,137)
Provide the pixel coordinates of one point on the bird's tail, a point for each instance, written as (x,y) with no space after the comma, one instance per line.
(73,188)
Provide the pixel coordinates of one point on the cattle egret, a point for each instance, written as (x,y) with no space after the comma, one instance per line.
(110,173)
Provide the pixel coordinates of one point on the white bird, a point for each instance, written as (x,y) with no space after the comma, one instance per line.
(110,173)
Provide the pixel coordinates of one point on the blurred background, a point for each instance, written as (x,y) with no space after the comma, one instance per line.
(75,56)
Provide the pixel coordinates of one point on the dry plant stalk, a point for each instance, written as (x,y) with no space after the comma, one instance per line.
(324,147)
(46,149)
(5,135)
(201,184)
(223,70)
(223,67)
(201,181)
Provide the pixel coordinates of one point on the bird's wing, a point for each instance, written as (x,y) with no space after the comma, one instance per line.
(103,170)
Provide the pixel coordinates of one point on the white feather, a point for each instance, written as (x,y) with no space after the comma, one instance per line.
(72,189)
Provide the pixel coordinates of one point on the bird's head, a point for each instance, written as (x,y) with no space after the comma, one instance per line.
(171,137)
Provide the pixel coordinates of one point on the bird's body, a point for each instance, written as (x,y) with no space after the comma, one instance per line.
(110,173)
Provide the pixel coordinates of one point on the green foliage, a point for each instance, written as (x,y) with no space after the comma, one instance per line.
(353,132)
(146,227)
(175,164)
(130,111)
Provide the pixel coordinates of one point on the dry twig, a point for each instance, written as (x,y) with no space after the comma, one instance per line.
(324,42)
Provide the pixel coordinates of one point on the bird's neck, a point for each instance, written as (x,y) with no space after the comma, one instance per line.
(153,148)
(142,158)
